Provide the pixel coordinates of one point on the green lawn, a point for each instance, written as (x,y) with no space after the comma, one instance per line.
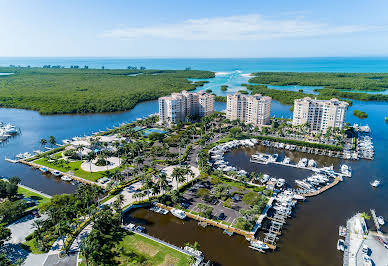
(74,167)
(29,194)
(153,252)
(30,246)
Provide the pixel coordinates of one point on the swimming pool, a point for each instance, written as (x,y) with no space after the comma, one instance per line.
(146,132)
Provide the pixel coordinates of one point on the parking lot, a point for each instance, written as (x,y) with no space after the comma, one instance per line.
(231,214)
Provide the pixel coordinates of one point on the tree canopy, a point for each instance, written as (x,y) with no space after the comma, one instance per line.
(64,90)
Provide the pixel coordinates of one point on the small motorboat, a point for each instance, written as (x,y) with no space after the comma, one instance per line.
(341,245)
(178,213)
(66,178)
(298,197)
(43,169)
(259,244)
(56,173)
(365,249)
(380,219)
(375,183)
(367,260)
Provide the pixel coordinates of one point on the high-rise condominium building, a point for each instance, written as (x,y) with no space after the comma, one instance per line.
(251,109)
(319,114)
(178,106)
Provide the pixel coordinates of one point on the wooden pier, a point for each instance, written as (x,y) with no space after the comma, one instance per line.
(323,189)
(374,217)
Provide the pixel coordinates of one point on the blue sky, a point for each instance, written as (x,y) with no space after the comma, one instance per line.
(198,28)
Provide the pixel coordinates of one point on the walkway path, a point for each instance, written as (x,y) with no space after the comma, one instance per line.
(82,180)
(113,163)
(19,231)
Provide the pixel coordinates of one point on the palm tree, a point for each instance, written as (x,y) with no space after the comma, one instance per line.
(89,158)
(179,175)
(365,216)
(38,226)
(116,144)
(52,141)
(80,148)
(84,248)
(155,189)
(43,142)
(163,182)
(148,184)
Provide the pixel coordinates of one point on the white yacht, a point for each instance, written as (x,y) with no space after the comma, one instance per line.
(56,173)
(286,160)
(341,245)
(312,163)
(303,184)
(265,178)
(178,213)
(65,178)
(346,170)
(259,244)
(375,183)
(298,197)
(380,219)
(280,182)
(303,162)
(367,260)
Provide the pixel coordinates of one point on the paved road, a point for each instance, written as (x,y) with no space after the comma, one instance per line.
(65,261)
(19,230)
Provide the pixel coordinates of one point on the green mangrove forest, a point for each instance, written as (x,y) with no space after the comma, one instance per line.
(360,114)
(75,90)
(337,81)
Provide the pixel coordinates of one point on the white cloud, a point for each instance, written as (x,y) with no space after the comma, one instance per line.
(247,27)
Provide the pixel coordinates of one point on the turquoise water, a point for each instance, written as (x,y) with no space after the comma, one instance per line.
(246,65)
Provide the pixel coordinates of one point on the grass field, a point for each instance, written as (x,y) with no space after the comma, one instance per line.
(153,252)
(30,246)
(29,194)
(74,167)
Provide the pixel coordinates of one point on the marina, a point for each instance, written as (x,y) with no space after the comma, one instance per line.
(7,131)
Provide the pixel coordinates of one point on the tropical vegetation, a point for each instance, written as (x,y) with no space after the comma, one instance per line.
(360,114)
(328,80)
(74,90)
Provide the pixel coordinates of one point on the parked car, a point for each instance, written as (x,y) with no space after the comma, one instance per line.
(221,216)
(214,201)
(382,242)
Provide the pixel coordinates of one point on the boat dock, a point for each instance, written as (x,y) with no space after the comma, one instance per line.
(323,189)
(374,217)
(11,160)
(227,228)
(314,169)
(72,176)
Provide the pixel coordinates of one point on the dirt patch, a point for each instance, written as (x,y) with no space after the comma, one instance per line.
(146,249)
(169,261)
